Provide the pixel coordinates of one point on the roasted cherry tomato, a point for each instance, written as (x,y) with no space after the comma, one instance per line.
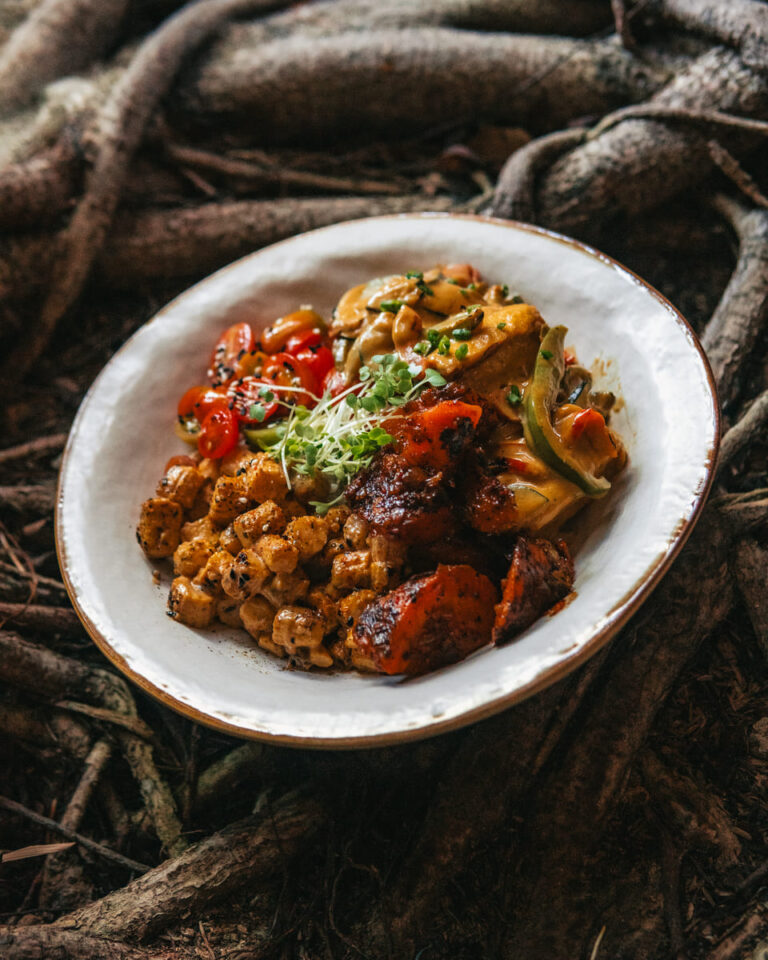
(334,382)
(275,337)
(242,394)
(319,360)
(236,341)
(588,420)
(198,401)
(218,433)
(288,371)
(303,341)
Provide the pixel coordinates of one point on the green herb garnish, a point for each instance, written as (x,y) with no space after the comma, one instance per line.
(514,396)
(501,326)
(547,354)
(257,412)
(517,299)
(427,291)
(453,281)
(461,351)
(504,290)
(461,333)
(390,306)
(414,275)
(444,346)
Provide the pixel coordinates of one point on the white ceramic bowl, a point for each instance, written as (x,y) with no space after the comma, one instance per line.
(641,348)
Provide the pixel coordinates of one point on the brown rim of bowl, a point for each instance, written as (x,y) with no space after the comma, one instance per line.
(617,616)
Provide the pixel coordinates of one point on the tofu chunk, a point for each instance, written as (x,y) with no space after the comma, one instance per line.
(190,556)
(250,527)
(190,604)
(264,479)
(228,500)
(246,576)
(278,553)
(351,570)
(181,484)
(159,527)
(308,535)
(296,627)
(257,615)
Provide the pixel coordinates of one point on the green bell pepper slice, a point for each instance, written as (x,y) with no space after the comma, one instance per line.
(539,399)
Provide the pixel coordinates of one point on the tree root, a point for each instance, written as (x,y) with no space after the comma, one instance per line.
(744,512)
(741,314)
(61,621)
(59,37)
(640,163)
(38,190)
(53,943)
(121,124)
(207,873)
(40,446)
(297,89)
(228,773)
(739,23)
(28,498)
(117,858)
(749,428)
(750,562)
(63,886)
(697,818)
(30,667)
(692,600)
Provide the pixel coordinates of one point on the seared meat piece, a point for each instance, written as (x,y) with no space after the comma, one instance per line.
(427,622)
(489,504)
(541,574)
(402,501)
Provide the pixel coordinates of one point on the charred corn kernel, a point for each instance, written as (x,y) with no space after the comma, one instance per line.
(159,527)
(181,484)
(190,604)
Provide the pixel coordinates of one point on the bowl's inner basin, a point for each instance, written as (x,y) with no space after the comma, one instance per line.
(631,340)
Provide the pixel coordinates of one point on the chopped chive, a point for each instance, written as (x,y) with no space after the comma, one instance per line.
(444,346)
(501,326)
(505,290)
(427,291)
(461,333)
(454,282)
(471,286)
(390,306)
(423,347)
(461,351)
(547,354)
(514,396)
(517,299)
(414,275)
(433,336)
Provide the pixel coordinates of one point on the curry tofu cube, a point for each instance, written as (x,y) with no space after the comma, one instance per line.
(236,461)
(228,500)
(278,553)
(336,518)
(351,570)
(229,540)
(228,611)
(308,535)
(190,604)
(356,532)
(216,569)
(159,527)
(246,576)
(296,627)
(190,556)
(320,600)
(352,606)
(257,616)
(286,587)
(181,484)
(201,529)
(250,527)
(264,479)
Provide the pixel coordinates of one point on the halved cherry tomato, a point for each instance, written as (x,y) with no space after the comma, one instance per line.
(233,343)
(218,433)
(180,460)
(288,371)
(242,394)
(588,420)
(318,359)
(335,382)
(303,341)
(198,401)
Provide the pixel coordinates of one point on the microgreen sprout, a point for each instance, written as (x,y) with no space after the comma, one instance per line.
(340,435)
